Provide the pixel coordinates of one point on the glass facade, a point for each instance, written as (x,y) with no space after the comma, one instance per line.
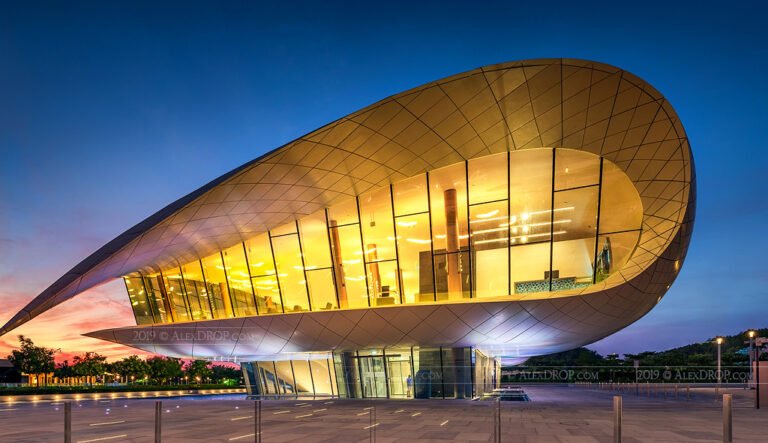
(377,373)
(502,225)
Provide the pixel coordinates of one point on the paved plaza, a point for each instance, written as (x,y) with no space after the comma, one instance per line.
(556,414)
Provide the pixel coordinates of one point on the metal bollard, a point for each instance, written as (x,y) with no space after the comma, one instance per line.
(68,422)
(372,427)
(497,421)
(727,419)
(257,422)
(158,420)
(617,419)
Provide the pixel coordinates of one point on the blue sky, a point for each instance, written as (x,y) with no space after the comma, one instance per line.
(110,110)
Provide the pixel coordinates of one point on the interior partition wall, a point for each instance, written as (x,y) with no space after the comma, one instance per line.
(418,372)
(503,225)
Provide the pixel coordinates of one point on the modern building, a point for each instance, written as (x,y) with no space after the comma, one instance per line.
(510,211)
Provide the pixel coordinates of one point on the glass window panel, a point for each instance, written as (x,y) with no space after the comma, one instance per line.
(376,222)
(267,294)
(347,254)
(322,289)
(613,251)
(267,376)
(197,294)
(216,283)
(414,249)
(399,372)
(290,273)
(448,195)
(452,276)
(340,370)
(343,213)
(489,231)
(321,377)
(530,194)
(575,224)
(383,282)
(139,302)
(411,195)
(239,281)
(285,377)
(457,372)
(174,289)
(260,255)
(487,178)
(334,377)
(160,306)
(288,228)
(575,214)
(529,268)
(530,201)
(575,168)
(428,382)
(303,377)
(621,208)
(314,241)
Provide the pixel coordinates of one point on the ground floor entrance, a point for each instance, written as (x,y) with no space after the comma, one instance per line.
(416,372)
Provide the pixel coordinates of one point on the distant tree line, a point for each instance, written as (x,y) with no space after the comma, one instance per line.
(697,354)
(694,363)
(93,368)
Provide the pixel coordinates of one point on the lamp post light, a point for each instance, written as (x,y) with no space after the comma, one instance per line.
(719,341)
(751,334)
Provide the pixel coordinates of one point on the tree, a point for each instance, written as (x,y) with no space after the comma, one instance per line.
(89,365)
(198,370)
(226,374)
(163,369)
(31,359)
(131,368)
(63,370)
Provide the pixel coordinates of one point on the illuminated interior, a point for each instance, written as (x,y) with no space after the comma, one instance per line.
(507,225)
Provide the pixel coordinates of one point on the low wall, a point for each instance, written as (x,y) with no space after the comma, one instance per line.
(116,395)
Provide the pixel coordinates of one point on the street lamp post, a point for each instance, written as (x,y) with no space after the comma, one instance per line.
(719,343)
(751,334)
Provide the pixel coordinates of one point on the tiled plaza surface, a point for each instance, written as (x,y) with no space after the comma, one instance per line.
(556,414)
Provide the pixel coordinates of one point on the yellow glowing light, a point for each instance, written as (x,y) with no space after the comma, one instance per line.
(486,231)
(406,224)
(488,214)
(418,241)
(719,340)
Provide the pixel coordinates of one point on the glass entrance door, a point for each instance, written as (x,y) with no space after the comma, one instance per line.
(373,377)
(400,376)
